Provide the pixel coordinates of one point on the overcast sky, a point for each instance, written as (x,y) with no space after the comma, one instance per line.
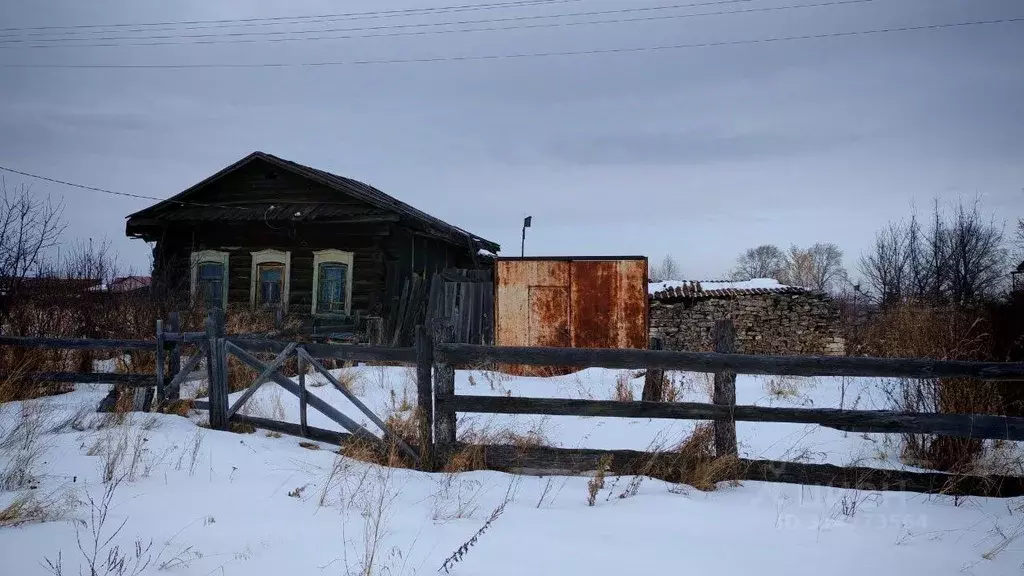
(697,152)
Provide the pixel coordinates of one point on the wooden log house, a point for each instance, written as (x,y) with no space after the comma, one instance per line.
(270,233)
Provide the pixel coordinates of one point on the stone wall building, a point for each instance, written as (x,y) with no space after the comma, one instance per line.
(770,318)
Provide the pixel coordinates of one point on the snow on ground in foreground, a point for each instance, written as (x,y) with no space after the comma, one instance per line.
(223,503)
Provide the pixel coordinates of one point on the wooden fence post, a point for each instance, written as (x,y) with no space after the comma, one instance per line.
(724,336)
(444,391)
(174,326)
(161,390)
(654,380)
(425,397)
(216,366)
(304,427)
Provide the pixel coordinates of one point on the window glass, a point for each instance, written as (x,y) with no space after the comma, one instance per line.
(332,278)
(210,284)
(270,279)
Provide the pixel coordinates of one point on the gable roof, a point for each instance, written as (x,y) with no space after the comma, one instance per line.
(354,188)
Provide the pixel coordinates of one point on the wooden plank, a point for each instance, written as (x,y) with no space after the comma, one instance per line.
(444,393)
(630,462)
(451,294)
(724,336)
(654,379)
(435,299)
(184,337)
(740,363)
(487,310)
(313,400)
(337,351)
(129,380)
(396,319)
(77,343)
(216,368)
(465,309)
(388,432)
(174,325)
(311,432)
(188,368)
(161,388)
(879,421)
(303,396)
(261,379)
(425,397)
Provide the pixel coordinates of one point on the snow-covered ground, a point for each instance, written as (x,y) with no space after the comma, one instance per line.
(223,503)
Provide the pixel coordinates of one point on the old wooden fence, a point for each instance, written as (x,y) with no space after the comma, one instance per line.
(436,358)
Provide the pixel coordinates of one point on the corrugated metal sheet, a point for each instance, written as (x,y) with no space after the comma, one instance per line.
(573,301)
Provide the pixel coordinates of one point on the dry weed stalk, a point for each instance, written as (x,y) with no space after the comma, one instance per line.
(596,484)
(99,554)
(623,390)
(462,550)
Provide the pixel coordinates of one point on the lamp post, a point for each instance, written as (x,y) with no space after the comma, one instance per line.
(526,224)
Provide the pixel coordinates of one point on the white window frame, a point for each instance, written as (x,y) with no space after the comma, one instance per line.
(269,257)
(216,257)
(336,257)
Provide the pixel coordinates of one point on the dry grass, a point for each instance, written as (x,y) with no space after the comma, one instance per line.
(623,391)
(31,507)
(943,333)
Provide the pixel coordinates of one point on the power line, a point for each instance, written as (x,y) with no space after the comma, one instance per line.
(125,194)
(343,15)
(466,30)
(471,57)
(383,27)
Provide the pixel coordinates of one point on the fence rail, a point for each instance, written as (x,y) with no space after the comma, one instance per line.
(470,354)
(879,421)
(436,356)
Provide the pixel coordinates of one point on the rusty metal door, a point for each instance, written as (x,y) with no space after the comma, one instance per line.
(549,316)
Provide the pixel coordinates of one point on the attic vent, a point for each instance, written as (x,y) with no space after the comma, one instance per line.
(270,176)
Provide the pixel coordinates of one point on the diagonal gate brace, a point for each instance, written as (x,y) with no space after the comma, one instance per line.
(313,400)
(262,378)
(388,433)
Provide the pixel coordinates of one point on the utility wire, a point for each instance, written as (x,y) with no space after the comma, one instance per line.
(384,27)
(277,19)
(460,30)
(125,194)
(471,57)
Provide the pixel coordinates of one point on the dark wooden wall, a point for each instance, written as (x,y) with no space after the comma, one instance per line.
(387,250)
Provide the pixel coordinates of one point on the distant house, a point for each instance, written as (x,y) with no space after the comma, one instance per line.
(269,233)
(770,318)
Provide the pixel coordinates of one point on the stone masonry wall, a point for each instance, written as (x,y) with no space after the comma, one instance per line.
(777,324)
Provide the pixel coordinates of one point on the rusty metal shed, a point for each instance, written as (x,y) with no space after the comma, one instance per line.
(570,301)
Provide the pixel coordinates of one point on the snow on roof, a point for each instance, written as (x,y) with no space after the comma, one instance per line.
(695,288)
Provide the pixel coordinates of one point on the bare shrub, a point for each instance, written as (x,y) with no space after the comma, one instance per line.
(99,554)
(22,447)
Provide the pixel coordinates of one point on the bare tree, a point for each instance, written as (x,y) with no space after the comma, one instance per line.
(29,226)
(976,255)
(819,267)
(764,261)
(885,267)
(668,270)
(959,258)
